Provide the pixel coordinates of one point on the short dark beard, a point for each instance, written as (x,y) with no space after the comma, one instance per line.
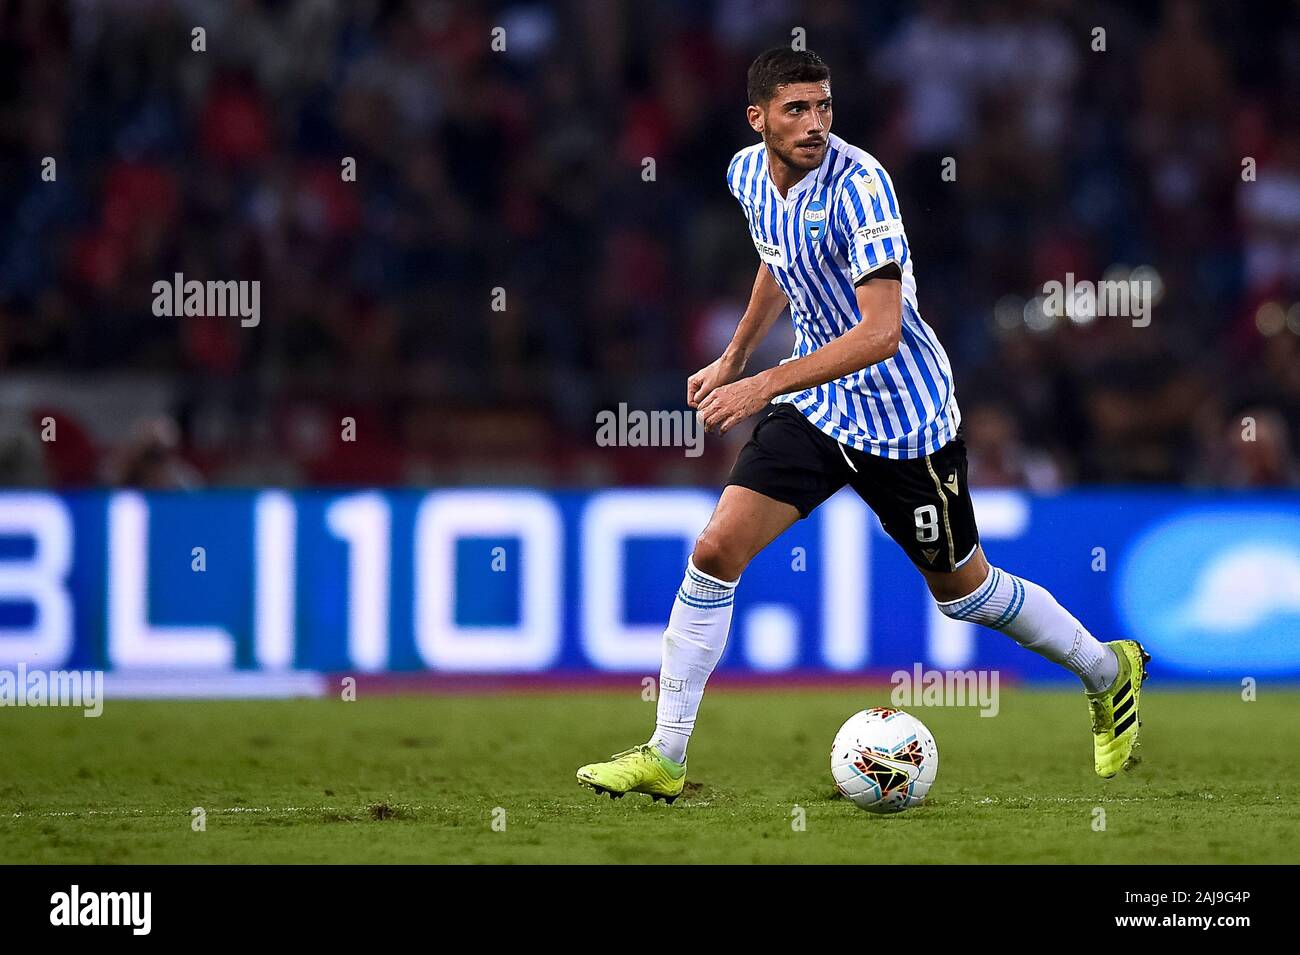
(789,158)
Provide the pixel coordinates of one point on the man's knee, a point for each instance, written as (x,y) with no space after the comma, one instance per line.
(718,558)
(965,580)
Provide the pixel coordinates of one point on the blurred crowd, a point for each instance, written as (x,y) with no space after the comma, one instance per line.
(538,229)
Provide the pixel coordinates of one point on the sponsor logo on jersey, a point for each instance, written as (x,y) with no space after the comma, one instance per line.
(879,230)
(771,254)
(868,182)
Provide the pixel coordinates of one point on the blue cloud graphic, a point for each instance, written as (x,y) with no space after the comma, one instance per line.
(1217,591)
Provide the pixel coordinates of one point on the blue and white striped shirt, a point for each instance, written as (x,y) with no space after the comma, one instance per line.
(837,224)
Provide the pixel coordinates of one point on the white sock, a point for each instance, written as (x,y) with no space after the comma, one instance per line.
(693,644)
(1032,617)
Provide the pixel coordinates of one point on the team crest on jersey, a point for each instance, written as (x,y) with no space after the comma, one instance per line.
(814,220)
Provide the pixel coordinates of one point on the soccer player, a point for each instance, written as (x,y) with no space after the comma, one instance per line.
(865,400)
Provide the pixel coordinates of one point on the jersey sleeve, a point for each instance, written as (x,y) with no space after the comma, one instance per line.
(867,222)
(733,173)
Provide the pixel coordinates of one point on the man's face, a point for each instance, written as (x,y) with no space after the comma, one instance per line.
(795,123)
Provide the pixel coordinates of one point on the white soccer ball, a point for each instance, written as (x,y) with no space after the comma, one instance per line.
(884,760)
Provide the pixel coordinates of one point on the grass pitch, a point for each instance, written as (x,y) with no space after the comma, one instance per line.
(421,779)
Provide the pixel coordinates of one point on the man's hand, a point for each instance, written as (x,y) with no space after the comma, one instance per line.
(721,372)
(729,405)
(766,303)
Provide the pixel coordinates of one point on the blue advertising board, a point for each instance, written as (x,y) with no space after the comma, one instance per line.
(502,581)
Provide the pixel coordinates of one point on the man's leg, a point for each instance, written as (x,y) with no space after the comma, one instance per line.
(743,523)
(1027,613)
(785,470)
(1112,673)
(924,504)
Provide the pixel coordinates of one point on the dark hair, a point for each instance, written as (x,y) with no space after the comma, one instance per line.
(779,66)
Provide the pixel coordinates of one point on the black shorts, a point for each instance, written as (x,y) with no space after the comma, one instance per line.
(923,503)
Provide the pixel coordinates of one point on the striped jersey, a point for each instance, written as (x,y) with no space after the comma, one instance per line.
(837,224)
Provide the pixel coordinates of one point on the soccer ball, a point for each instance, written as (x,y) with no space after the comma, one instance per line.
(884,760)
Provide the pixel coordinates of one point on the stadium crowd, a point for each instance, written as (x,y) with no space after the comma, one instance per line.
(539,229)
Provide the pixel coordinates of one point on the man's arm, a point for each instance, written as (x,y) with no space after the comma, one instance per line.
(766,303)
(875,338)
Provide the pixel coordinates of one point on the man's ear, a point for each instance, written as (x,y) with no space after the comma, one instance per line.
(755,117)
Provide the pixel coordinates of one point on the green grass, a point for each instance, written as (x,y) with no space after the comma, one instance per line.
(407,779)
